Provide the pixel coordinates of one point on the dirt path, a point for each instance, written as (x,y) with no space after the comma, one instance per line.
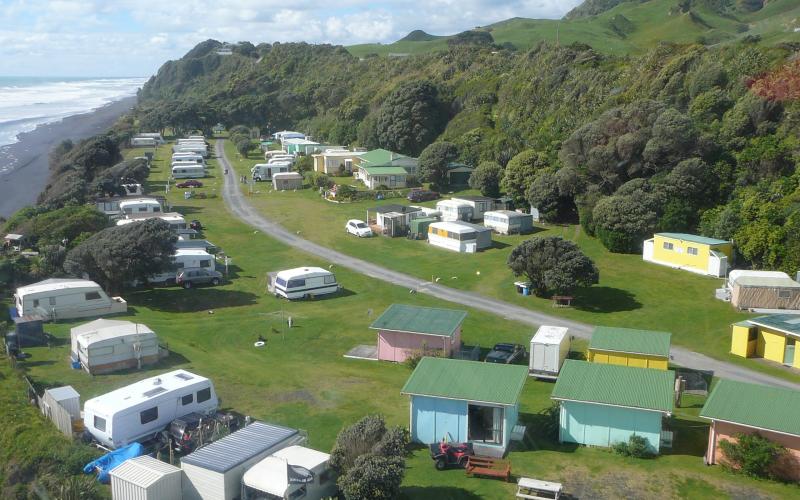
(238,205)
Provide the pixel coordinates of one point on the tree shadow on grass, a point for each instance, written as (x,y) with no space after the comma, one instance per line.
(437,493)
(690,437)
(541,433)
(498,245)
(192,300)
(604,299)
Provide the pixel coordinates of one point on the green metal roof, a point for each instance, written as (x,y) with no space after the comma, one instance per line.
(771,408)
(616,385)
(467,380)
(384,170)
(651,343)
(415,319)
(693,238)
(788,323)
(380,156)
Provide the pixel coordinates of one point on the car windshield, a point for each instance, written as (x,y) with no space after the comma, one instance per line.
(504,347)
(361,225)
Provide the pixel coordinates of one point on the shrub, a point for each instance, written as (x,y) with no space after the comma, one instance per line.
(373,477)
(318,180)
(752,454)
(382,187)
(415,356)
(636,447)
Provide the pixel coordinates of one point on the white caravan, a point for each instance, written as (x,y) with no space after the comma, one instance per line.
(66,299)
(184,258)
(282,158)
(140,206)
(106,345)
(154,135)
(141,410)
(175,220)
(275,152)
(303,282)
(143,142)
(293,472)
(264,171)
(192,148)
(188,157)
(188,171)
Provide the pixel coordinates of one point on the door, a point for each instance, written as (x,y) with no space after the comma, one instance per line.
(788,353)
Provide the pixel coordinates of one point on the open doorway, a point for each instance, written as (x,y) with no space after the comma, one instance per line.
(485,424)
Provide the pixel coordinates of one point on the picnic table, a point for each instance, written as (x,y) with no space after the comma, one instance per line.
(492,467)
(562,300)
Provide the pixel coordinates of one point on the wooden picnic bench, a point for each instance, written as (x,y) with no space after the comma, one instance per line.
(492,467)
(562,300)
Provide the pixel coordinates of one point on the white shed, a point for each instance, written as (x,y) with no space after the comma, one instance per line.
(62,405)
(215,471)
(105,346)
(549,349)
(145,478)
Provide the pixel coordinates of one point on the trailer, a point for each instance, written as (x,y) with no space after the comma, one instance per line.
(140,206)
(188,170)
(58,298)
(453,210)
(144,142)
(140,411)
(508,222)
(479,204)
(303,283)
(215,471)
(174,219)
(154,135)
(459,236)
(549,349)
(105,346)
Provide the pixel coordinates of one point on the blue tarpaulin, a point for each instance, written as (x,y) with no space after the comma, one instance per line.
(104,464)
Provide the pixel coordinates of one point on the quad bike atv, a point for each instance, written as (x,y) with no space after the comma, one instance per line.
(446,455)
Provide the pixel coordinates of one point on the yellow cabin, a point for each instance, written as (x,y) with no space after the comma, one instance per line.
(770,337)
(629,347)
(697,254)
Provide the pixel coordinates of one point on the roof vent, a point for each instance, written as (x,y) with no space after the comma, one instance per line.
(157,381)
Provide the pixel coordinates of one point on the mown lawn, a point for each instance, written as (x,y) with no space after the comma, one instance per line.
(300,378)
(631,293)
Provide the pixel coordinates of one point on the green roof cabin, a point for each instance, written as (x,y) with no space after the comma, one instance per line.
(404,330)
(629,347)
(465,401)
(602,404)
(739,407)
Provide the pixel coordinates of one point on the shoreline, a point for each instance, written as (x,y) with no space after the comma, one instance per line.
(21,186)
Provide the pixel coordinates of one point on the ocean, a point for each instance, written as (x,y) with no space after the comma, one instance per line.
(26,102)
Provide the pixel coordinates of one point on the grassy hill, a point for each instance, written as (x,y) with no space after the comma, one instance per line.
(628,28)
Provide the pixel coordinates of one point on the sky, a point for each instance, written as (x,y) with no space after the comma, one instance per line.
(95,38)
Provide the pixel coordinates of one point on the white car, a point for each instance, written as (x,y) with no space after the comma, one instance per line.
(358,228)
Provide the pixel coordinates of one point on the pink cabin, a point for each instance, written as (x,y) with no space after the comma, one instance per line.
(404,330)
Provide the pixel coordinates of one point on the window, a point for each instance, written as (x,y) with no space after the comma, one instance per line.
(99,423)
(187,399)
(784,294)
(691,250)
(325,476)
(330,278)
(143,209)
(92,295)
(35,302)
(299,493)
(205,263)
(668,245)
(280,282)
(298,283)
(204,395)
(52,301)
(148,415)
(156,209)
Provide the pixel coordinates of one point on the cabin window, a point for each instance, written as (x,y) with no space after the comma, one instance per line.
(784,294)
(52,301)
(148,415)
(92,295)
(35,302)
(691,250)
(204,395)
(329,279)
(187,399)
(668,246)
(156,209)
(300,493)
(280,282)
(99,423)
(205,263)
(298,283)
(143,209)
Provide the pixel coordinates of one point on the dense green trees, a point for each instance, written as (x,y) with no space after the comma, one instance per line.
(520,173)
(410,118)
(487,177)
(552,265)
(434,161)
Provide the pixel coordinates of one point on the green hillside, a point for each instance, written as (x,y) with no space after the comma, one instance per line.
(630,28)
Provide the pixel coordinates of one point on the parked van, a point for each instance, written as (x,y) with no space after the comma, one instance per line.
(264,171)
(188,171)
(140,411)
(65,299)
(140,206)
(303,282)
(184,258)
(143,142)
(293,472)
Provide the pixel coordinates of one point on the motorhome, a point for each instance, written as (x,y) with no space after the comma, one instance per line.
(140,206)
(154,135)
(65,299)
(143,142)
(293,472)
(140,411)
(175,220)
(188,171)
(303,282)
(264,171)
(184,258)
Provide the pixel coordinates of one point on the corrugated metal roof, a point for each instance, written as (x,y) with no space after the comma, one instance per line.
(788,323)
(648,342)
(771,408)
(242,445)
(384,170)
(467,380)
(415,319)
(601,383)
(143,471)
(703,240)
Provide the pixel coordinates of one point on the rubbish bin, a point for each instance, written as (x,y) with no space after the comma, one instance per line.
(526,290)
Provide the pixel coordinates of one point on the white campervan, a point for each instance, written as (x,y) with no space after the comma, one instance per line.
(264,171)
(140,206)
(184,258)
(303,282)
(289,473)
(65,299)
(141,410)
(142,142)
(188,170)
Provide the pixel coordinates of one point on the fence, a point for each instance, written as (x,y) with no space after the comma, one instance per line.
(471,353)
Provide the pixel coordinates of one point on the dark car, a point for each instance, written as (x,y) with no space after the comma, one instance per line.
(505,353)
(196,225)
(185,432)
(190,184)
(422,195)
(193,277)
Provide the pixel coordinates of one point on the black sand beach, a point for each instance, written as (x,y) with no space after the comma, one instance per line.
(22,185)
